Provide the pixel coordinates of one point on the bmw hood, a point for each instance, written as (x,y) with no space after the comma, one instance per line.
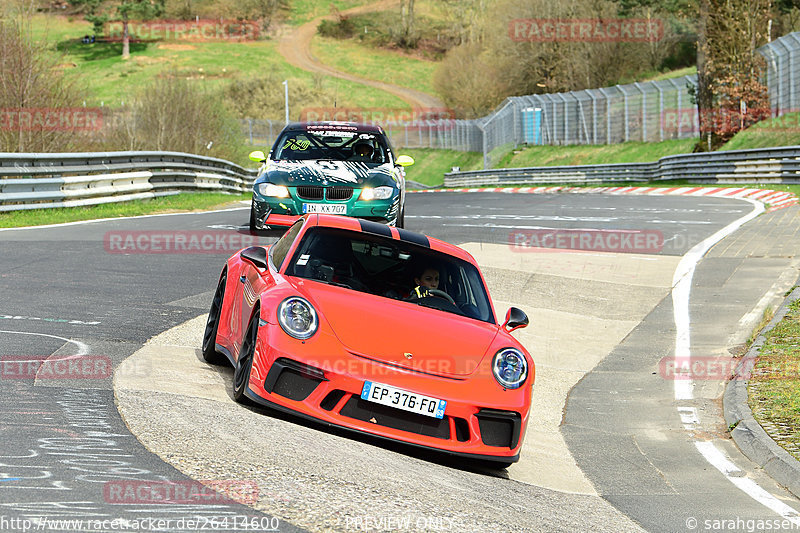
(309,172)
(402,333)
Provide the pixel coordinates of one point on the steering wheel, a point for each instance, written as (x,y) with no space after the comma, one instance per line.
(441,294)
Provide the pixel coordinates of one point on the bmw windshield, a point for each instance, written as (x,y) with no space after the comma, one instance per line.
(333,145)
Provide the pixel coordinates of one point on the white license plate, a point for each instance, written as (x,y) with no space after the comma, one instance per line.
(402,399)
(327,209)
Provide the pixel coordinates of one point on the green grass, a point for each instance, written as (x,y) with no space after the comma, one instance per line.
(108,79)
(630,152)
(303,11)
(677,73)
(778,131)
(774,388)
(375,64)
(430,165)
(166,204)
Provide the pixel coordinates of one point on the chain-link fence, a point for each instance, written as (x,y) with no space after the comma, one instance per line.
(462,135)
(783,73)
(647,111)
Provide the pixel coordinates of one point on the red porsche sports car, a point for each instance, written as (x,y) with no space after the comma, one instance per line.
(378,330)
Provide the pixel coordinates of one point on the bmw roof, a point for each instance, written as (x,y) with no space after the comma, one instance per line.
(333,126)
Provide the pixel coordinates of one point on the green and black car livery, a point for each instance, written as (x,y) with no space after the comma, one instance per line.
(338,168)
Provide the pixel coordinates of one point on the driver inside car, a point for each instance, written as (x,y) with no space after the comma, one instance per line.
(362,151)
(427,280)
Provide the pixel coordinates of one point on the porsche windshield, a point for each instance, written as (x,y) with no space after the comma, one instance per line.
(392,269)
(335,145)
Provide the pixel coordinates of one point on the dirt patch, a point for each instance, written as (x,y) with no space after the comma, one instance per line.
(144,60)
(177,47)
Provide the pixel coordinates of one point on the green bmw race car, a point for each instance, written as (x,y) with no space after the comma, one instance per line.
(340,168)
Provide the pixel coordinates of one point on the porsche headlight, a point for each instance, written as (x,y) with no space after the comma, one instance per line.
(510,368)
(270,189)
(297,317)
(378,193)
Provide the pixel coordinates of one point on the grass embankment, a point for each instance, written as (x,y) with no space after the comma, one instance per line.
(630,152)
(774,386)
(430,165)
(778,131)
(107,78)
(184,202)
(375,64)
(303,11)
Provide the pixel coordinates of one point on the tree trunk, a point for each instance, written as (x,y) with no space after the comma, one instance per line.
(126,41)
(703,95)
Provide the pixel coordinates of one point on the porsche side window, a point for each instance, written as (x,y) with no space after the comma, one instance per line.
(281,248)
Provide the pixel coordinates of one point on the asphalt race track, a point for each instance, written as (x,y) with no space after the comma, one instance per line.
(614,444)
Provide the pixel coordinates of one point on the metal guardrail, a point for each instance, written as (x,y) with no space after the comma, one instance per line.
(40,181)
(761,165)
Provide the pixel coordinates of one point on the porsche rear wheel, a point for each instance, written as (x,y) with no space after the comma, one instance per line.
(210,353)
(241,371)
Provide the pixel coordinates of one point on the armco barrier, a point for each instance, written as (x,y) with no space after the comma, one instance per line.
(762,165)
(40,181)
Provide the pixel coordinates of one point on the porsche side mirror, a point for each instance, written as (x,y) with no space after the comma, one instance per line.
(256,255)
(258,156)
(515,319)
(405,161)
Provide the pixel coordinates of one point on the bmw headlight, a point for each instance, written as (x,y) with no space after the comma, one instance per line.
(270,189)
(378,193)
(297,317)
(510,368)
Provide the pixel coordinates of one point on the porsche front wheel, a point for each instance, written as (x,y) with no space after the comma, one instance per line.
(210,353)
(241,371)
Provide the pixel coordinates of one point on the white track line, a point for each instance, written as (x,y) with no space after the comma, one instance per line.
(81,222)
(83,349)
(684,388)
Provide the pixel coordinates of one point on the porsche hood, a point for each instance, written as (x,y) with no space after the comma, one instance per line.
(402,333)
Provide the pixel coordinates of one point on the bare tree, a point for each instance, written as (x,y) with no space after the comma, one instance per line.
(466,18)
(98,12)
(731,94)
(407,37)
(32,90)
(174,114)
